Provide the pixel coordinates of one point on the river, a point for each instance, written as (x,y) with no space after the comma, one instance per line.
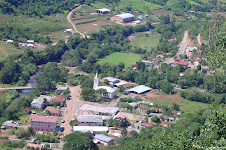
(32,82)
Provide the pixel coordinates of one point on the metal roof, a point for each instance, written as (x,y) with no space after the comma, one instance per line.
(125,15)
(10,123)
(104,9)
(111,79)
(90,128)
(103,137)
(107,88)
(100,108)
(139,89)
(89,118)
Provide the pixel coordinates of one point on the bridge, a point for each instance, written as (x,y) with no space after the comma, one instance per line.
(17,88)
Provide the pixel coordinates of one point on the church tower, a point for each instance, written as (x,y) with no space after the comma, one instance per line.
(96,81)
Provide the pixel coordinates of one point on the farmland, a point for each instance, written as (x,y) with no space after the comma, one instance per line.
(186,106)
(116,58)
(146,42)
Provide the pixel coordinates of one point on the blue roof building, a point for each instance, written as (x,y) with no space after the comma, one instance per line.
(104,138)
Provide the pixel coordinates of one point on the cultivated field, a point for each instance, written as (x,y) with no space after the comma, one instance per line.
(116,58)
(146,42)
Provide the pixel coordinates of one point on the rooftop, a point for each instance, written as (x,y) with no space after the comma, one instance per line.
(139,89)
(103,138)
(89,118)
(85,112)
(43,118)
(52,110)
(58,98)
(34,145)
(111,79)
(61,88)
(104,9)
(125,15)
(10,123)
(99,108)
(107,88)
(90,128)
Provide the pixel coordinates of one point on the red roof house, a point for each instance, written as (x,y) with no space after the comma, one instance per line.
(53,111)
(58,98)
(35,145)
(146,125)
(43,123)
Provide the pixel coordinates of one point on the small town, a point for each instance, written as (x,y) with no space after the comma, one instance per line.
(112,74)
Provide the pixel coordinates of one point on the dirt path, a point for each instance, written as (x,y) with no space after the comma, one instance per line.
(69,20)
(199,39)
(183,44)
(70,109)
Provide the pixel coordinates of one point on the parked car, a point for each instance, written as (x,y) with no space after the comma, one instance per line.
(62,121)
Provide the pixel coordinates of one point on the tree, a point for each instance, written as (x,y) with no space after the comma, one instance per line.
(124,133)
(88,94)
(106,81)
(148,112)
(176,107)
(47,112)
(47,146)
(155,119)
(55,133)
(121,88)
(78,141)
(74,122)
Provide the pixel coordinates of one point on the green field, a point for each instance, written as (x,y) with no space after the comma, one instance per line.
(193,3)
(139,5)
(186,106)
(146,42)
(116,58)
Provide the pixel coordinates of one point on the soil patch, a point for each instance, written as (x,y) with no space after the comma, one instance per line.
(176,96)
(93,26)
(82,20)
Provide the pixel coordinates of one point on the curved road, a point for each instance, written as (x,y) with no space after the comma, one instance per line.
(70,21)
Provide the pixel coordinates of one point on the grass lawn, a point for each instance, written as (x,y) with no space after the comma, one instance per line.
(193,3)
(146,42)
(116,58)
(186,106)
(8,49)
(24,120)
(140,5)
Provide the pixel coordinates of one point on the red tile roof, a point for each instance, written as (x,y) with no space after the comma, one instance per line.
(181,63)
(147,124)
(34,145)
(166,117)
(27,109)
(85,112)
(163,124)
(58,98)
(120,116)
(52,110)
(43,118)
(161,56)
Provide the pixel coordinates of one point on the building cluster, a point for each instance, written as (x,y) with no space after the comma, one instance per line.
(22,42)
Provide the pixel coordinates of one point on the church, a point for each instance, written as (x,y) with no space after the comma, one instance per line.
(96,86)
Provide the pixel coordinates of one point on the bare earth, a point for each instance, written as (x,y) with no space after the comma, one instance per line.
(69,111)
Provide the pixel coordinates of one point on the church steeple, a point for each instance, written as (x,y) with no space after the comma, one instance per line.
(96,81)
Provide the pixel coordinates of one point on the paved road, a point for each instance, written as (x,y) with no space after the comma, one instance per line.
(70,21)
(183,44)
(17,88)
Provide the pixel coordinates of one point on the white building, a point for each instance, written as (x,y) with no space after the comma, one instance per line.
(38,102)
(92,120)
(92,129)
(110,91)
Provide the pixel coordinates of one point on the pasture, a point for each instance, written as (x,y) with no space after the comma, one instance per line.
(185,105)
(146,42)
(116,58)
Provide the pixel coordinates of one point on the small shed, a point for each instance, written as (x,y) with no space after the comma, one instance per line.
(9,42)
(103,10)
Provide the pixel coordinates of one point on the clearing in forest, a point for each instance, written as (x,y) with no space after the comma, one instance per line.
(116,58)
(146,42)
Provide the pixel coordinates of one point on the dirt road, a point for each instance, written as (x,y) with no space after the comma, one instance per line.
(199,39)
(183,44)
(69,111)
(69,20)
